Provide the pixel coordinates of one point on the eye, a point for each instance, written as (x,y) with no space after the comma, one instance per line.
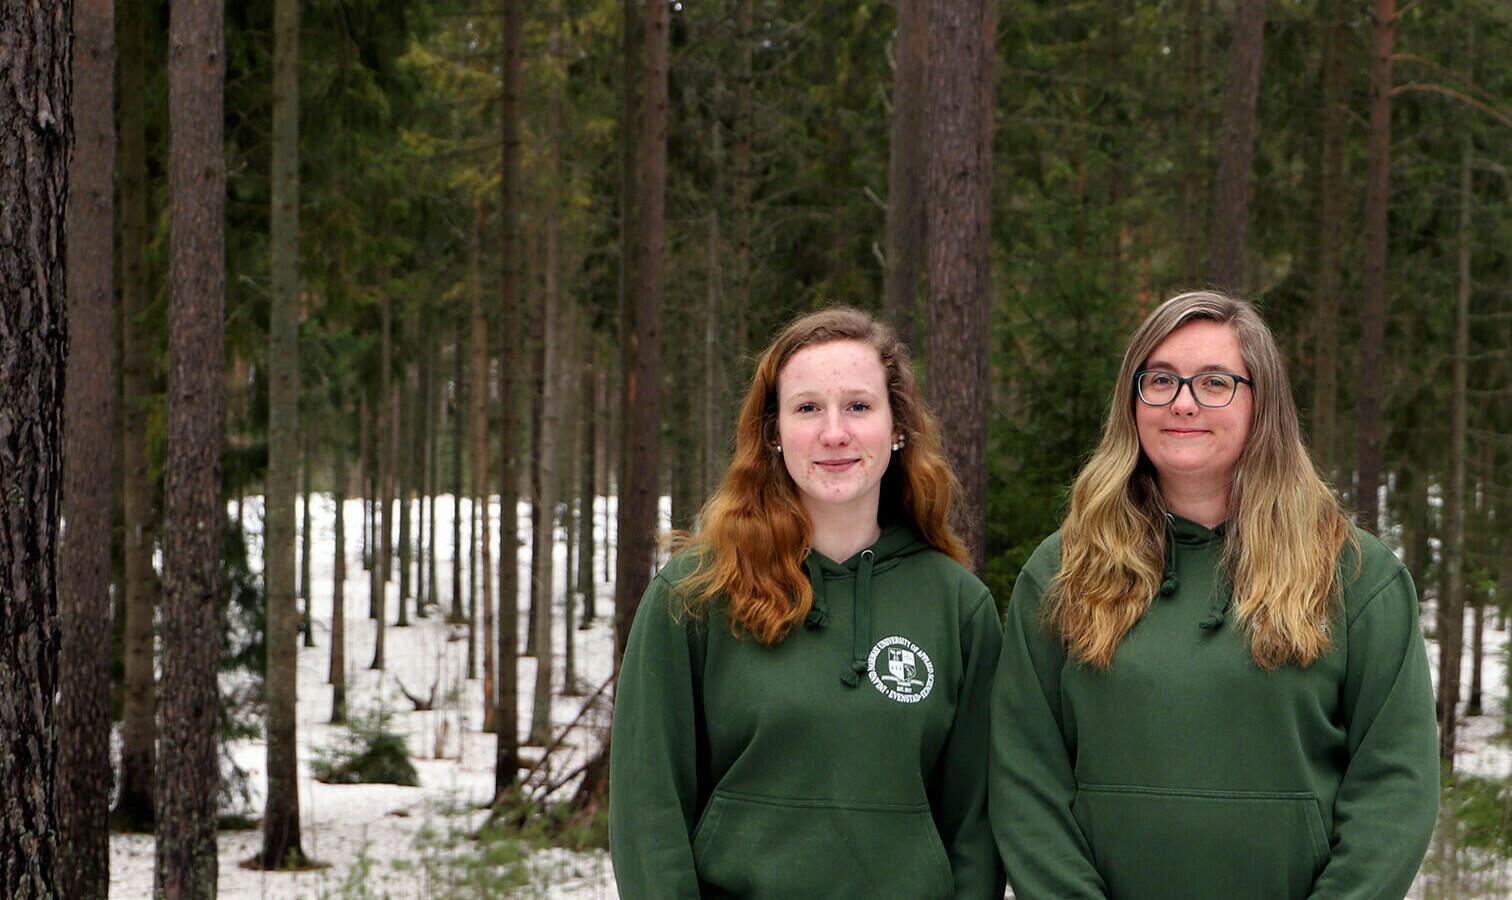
(859,406)
(1216,380)
(806,407)
(1160,379)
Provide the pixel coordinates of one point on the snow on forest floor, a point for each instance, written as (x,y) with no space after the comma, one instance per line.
(375,836)
(380,827)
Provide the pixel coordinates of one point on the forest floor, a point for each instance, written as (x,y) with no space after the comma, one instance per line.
(385,840)
(375,841)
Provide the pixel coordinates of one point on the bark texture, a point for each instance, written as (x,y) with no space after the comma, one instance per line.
(84,772)
(958,256)
(281,839)
(507,746)
(34,144)
(905,172)
(1373,307)
(1236,146)
(194,516)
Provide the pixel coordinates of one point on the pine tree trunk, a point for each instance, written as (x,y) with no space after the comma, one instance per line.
(281,838)
(1332,213)
(404,471)
(306,629)
(83,574)
(458,437)
(1236,146)
(478,416)
(134,797)
(641,352)
(35,123)
(1193,224)
(587,460)
(432,465)
(369,480)
(385,438)
(193,519)
(543,576)
(959,244)
(906,172)
(337,675)
(1451,639)
(1373,308)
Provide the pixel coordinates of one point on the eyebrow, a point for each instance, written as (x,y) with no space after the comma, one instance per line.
(1205,367)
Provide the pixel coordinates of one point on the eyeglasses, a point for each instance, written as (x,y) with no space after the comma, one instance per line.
(1211,389)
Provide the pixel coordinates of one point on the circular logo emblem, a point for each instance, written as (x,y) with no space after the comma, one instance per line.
(900,670)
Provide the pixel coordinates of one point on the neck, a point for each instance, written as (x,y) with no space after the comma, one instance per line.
(1207,505)
(841,535)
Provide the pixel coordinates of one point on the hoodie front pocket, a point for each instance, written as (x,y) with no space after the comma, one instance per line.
(766,847)
(1159,842)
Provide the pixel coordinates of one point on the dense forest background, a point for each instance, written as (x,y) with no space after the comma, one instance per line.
(527,250)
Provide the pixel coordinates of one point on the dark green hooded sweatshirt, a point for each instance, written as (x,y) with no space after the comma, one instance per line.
(1186,770)
(850,760)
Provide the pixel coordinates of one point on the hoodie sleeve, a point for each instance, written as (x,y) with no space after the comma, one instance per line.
(1032,781)
(653,761)
(1388,799)
(960,782)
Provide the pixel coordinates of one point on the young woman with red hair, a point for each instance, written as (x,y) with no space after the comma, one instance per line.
(802,710)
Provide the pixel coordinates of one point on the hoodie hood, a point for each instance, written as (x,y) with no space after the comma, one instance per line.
(894,544)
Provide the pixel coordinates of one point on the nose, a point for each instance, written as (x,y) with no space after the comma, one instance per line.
(834,431)
(1185,402)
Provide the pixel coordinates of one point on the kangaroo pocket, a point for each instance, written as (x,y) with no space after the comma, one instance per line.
(1157,843)
(762,847)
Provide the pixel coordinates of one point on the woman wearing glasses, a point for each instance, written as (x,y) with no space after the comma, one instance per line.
(1211,684)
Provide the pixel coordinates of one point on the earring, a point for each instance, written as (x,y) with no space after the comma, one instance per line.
(778,448)
(898,442)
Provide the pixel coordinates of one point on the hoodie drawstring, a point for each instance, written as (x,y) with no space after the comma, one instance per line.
(861,621)
(818,614)
(1169,584)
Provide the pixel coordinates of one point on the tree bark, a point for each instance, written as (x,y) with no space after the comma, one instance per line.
(1193,225)
(338,577)
(1373,308)
(311,438)
(1236,146)
(587,461)
(543,576)
(507,746)
(642,341)
(1452,637)
(194,518)
(906,172)
(84,773)
(961,45)
(134,798)
(1332,215)
(281,838)
(35,124)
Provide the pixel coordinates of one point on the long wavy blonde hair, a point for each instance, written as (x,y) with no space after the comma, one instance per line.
(1285,528)
(754,534)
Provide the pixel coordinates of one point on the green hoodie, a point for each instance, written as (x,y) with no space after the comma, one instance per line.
(1186,770)
(850,760)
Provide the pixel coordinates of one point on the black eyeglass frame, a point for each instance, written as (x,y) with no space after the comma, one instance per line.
(1189,383)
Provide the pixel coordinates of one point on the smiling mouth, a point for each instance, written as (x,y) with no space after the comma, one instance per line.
(1185,432)
(836,465)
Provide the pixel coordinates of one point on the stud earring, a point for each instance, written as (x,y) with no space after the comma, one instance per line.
(778,448)
(898,443)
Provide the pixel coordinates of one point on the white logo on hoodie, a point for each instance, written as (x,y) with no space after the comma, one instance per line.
(907,674)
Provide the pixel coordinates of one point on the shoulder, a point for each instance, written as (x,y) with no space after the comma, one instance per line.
(1370,572)
(935,571)
(1044,562)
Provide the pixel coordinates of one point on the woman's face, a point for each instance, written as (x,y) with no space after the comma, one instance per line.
(1195,447)
(835,427)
